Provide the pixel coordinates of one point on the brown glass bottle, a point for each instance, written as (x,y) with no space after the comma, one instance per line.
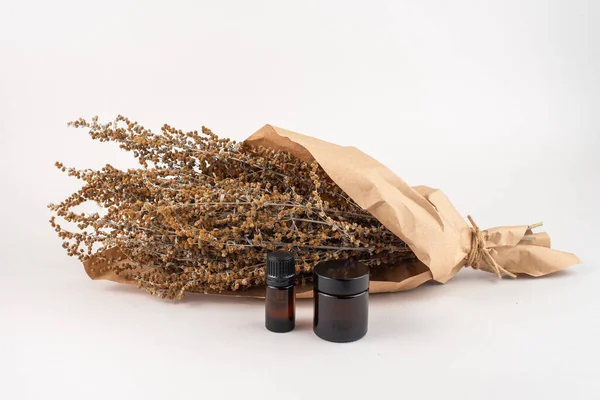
(280,296)
(341,299)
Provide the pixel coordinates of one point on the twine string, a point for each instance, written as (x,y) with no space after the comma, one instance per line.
(480,256)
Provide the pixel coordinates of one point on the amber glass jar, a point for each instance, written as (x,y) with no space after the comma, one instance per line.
(341,299)
(280,296)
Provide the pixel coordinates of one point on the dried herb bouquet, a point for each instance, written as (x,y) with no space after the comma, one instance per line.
(204,211)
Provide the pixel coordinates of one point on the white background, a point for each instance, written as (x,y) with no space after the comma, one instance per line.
(495,102)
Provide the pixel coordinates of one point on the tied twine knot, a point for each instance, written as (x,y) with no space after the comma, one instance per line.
(480,256)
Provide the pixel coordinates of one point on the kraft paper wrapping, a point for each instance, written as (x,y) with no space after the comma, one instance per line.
(421,216)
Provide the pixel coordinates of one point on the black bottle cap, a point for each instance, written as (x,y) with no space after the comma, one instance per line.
(341,277)
(281,268)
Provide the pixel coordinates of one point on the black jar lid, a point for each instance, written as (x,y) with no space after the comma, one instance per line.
(341,277)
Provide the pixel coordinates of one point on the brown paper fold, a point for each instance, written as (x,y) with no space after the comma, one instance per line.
(421,216)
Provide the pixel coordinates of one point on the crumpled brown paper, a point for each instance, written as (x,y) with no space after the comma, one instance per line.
(421,216)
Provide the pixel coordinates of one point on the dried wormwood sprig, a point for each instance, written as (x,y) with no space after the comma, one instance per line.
(204,211)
